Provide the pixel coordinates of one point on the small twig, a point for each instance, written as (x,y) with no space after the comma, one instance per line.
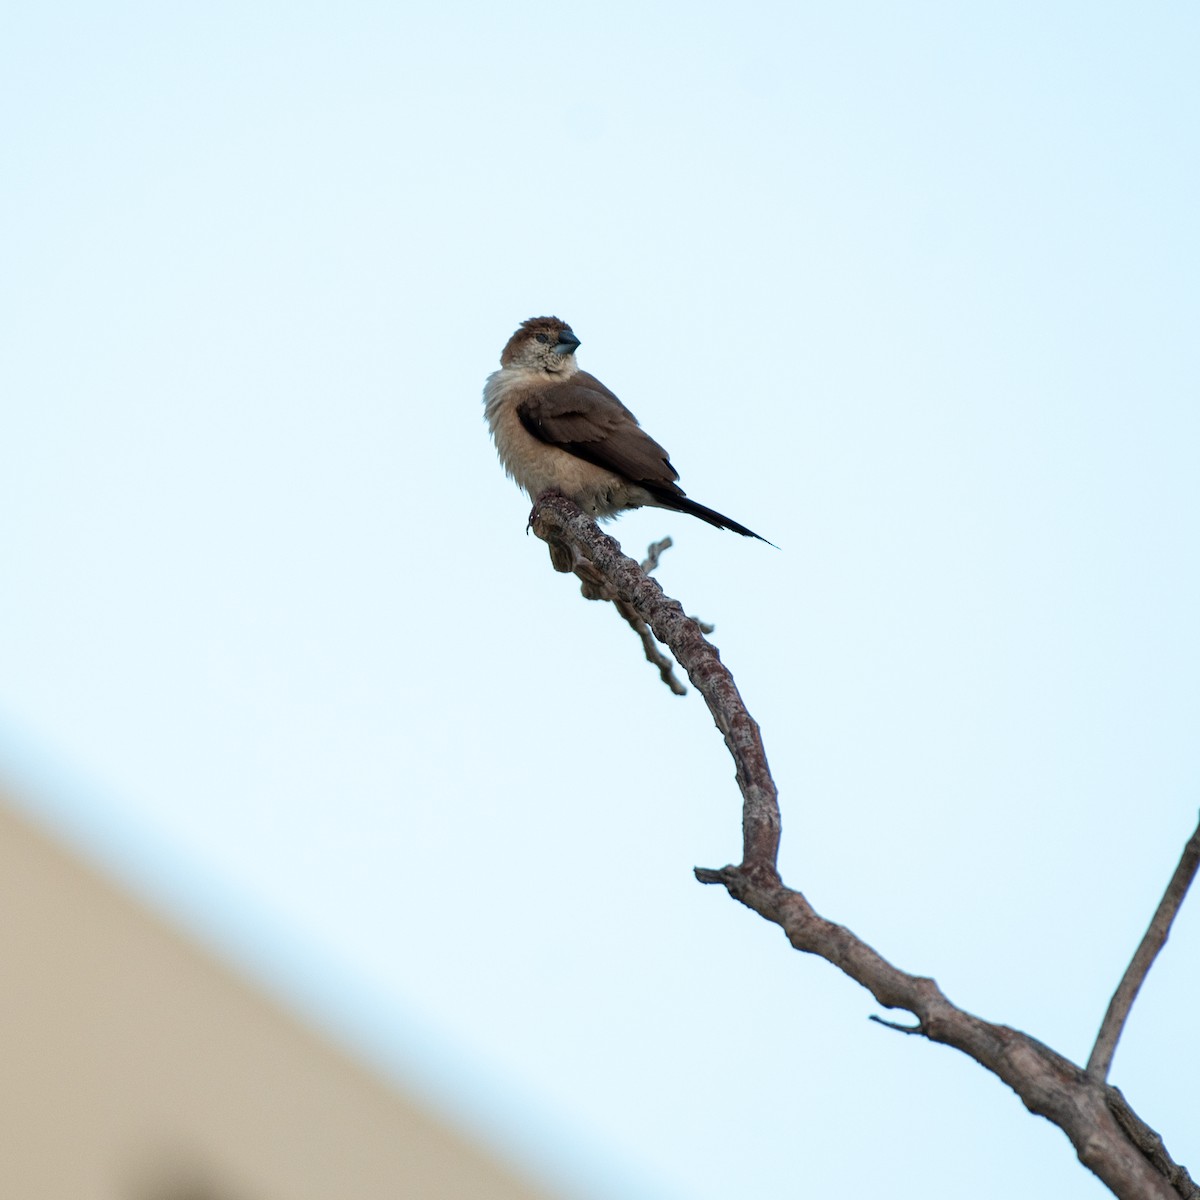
(665,665)
(594,586)
(909,1029)
(1143,959)
(654,553)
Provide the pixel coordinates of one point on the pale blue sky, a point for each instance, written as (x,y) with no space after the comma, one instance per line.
(911,289)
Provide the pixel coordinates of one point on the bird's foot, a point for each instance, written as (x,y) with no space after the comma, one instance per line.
(533,511)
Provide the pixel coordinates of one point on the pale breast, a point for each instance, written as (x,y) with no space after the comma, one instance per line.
(538,467)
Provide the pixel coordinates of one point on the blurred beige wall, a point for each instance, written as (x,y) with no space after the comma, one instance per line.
(133,1066)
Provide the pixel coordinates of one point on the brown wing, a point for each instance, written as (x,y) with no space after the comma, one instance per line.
(580,415)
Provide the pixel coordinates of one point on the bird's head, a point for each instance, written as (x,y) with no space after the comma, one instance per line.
(542,344)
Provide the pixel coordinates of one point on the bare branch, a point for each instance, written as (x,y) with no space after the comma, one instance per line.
(594,586)
(561,525)
(1143,959)
(1108,1138)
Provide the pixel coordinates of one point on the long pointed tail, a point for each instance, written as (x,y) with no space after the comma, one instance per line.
(681,503)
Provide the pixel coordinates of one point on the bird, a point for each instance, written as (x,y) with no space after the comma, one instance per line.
(557,428)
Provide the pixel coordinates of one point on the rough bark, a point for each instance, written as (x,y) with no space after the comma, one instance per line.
(1109,1138)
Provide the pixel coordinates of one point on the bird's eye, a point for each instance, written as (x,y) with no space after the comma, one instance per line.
(544,338)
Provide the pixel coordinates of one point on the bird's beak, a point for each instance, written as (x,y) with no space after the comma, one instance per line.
(567,342)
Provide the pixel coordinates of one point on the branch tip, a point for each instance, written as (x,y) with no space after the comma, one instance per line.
(918,1028)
